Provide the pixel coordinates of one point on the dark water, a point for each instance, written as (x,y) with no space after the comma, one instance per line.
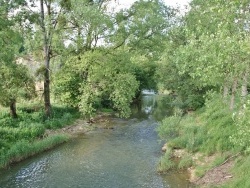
(125,157)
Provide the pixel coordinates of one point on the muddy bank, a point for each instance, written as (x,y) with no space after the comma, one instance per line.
(214,176)
(82,126)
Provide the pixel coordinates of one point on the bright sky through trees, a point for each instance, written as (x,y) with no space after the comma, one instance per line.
(181,3)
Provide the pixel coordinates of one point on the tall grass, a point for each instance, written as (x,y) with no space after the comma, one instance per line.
(23,149)
(19,137)
(241,173)
(166,162)
(208,131)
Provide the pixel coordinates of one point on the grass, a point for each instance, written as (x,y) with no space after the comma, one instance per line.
(25,136)
(241,172)
(203,131)
(166,163)
(23,149)
(185,162)
(208,131)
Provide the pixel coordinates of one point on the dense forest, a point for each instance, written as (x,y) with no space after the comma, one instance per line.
(79,57)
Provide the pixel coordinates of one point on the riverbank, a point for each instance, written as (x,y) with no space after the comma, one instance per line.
(209,144)
(49,138)
(24,149)
(26,136)
(204,171)
(30,135)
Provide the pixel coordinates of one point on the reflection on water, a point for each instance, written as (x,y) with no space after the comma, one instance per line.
(148,104)
(125,157)
(156,106)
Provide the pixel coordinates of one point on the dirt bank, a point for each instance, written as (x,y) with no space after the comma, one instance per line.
(82,126)
(215,176)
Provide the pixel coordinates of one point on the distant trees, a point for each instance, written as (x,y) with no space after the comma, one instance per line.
(208,50)
(148,45)
(112,56)
(98,58)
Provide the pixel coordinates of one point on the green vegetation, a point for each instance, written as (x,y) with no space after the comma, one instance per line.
(23,148)
(241,172)
(26,136)
(166,162)
(205,69)
(76,53)
(89,58)
(212,130)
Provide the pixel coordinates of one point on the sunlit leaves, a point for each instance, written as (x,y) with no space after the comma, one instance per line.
(97,79)
(15,83)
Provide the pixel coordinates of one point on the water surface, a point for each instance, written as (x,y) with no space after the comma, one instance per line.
(123,157)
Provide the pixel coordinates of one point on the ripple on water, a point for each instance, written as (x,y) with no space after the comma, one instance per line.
(125,157)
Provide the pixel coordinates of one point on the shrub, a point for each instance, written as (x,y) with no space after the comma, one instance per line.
(185,162)
(169,127)
(165,162)
(242,134)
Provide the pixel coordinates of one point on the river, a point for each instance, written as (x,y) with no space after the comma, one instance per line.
(123,157)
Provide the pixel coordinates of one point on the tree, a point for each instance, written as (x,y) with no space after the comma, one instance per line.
(211,55)
(15,80)
(87,25)
(15,83)
(39,21)
(109,82)
(143,29)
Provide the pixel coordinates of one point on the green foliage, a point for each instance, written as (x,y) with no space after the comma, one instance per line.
(180,83)
(242,122)
(166,163)
(124,89)
(97,79)
(185,162)
(10,39)
(201,132)
(241,173)
(19,136)
(16,82)
(23,149)
(143,27)
(208,49)
(169,127)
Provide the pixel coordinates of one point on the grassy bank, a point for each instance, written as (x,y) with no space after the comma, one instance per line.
(206,139)
(26,135)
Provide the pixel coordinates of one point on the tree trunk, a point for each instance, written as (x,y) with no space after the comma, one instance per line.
(225,92)
(234,88)
(13,113)
(46,46)
(244,86)
(47,90)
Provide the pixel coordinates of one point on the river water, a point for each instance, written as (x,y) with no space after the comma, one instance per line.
(123,157)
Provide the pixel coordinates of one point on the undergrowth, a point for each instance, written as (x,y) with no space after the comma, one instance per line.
(19,137)
(214,129)
(23,149)
(242,172)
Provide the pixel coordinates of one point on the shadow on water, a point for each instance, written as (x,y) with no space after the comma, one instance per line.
(124,157)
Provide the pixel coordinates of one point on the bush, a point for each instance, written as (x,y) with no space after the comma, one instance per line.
(166,163)
(242,134)
(185,162)
(169,127)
